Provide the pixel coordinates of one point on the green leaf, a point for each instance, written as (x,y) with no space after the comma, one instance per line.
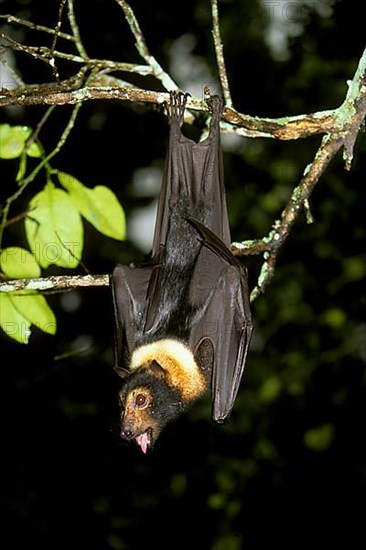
(54,230)
(34,150)
(13,140)
(20,311)
(13,323)
(18,263)
(99,206)
(319,438)
(36,310)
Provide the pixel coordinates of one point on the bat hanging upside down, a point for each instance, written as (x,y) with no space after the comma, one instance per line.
(182,320)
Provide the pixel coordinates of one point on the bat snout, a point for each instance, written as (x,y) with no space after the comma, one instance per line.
(127,433)
(144,439)
(129,430)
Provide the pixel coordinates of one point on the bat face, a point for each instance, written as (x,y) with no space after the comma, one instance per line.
(147,404)
(137,419)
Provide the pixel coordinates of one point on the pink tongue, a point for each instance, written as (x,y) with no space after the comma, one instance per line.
(143,440)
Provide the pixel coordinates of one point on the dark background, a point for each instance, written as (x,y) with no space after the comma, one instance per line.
(289,469)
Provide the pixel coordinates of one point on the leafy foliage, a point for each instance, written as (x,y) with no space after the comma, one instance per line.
(99,206)
(54,231)
(13,142)
(18,313)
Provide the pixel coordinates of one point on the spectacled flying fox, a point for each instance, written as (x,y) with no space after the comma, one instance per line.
(182,320)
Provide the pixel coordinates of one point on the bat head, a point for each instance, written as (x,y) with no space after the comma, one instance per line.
(147,404)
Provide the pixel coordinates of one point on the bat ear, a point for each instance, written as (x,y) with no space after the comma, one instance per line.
(204,355)
(156,369)
(122,373)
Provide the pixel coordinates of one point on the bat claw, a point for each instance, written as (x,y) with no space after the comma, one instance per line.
(215,104)
(176,107)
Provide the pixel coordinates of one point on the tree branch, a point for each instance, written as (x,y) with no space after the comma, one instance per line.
(220,54)
(286,128)
(282,227)
(347,122)
(58,283)
(339,127)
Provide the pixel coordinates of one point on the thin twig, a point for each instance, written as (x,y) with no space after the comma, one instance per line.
(23,22)
(141,70)
(105,64)
(75,30)
(73,83)
(65,134)
(5,62)
(42,54)
(142,48)
(17,218)
(54,40)
(220,54)
(39,126)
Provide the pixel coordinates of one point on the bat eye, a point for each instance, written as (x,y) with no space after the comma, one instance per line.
(140,400)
